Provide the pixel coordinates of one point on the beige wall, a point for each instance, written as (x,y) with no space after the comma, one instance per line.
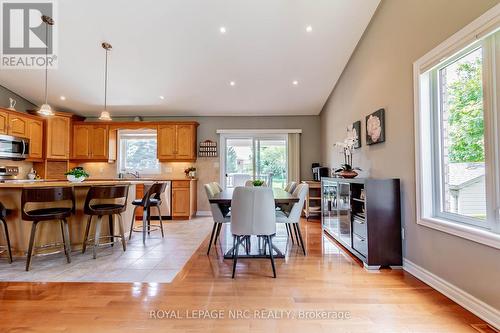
(379,74)
(208,168)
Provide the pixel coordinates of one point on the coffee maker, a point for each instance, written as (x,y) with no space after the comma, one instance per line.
(319,172)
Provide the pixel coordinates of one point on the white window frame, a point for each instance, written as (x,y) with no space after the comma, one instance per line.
(254,135)
(424,103)
(121,147)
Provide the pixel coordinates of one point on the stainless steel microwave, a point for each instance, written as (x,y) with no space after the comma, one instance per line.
(13,148)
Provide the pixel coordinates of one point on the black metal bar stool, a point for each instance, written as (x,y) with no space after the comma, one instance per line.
(45,196)
(3,214)
(152,198)
(112,193)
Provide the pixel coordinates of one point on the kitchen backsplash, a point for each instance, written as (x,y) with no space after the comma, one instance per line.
(104,170)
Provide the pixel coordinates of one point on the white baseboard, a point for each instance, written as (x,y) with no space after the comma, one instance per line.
(471,303)
(203,213)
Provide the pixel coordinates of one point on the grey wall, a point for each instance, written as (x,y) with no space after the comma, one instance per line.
(379,74)
(310,138)
(21,105)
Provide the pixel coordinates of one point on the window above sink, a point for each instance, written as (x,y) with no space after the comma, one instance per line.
(137,152)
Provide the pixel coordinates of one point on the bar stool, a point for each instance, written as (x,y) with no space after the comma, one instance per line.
(114,193)
(3,214)
(47,195)
(152,198)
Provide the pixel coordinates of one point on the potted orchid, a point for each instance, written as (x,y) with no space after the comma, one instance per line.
(346,169)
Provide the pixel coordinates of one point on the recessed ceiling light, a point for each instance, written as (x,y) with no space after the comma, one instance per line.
(162,97)
(222,30)
(232,83)
(295,82)
(62,98)
(309,28)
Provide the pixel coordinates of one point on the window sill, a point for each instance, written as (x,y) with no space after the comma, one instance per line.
(484,237)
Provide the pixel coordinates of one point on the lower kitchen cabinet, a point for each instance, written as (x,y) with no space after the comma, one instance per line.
(183,198)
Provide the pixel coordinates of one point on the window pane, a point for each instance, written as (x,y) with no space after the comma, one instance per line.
(239,161)
(272,163)
(138,152)
(462,137)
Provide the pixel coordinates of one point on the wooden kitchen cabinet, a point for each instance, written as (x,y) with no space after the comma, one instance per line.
(35,134)
(18,125)
(4,122)
(58,137)
(183,199)
(177,142)
(91,142)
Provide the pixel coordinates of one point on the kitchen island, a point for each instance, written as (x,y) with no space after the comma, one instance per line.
(50,233)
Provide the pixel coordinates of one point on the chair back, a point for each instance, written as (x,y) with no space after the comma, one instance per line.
(154,192)
(216,211)
(300,192)
(290,187)
(216,188)
(46,195)
(253,211)
(110,192)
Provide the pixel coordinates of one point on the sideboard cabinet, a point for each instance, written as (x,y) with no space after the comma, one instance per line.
(364,216)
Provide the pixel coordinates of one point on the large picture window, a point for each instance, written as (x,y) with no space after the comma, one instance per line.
(457,134)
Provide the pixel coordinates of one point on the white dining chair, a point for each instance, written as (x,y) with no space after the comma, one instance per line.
(293,217)
(290,187)
(218,216)
(252,213)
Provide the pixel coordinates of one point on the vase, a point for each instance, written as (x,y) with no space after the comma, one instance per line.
(192,174)
(348,173)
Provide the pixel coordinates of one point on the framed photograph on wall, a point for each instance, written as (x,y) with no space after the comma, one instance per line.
(356,129)
(375,127)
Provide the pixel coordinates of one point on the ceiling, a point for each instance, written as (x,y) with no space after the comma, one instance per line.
(175,49)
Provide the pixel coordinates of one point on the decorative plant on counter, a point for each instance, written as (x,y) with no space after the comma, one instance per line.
(346,169)
(258,182)
(190,172)
(76,175)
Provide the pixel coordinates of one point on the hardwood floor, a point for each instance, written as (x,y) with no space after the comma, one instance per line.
(326,280)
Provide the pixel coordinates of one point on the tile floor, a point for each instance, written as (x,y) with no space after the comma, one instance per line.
(159,261)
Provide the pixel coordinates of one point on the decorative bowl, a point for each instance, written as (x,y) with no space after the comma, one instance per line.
(74,179)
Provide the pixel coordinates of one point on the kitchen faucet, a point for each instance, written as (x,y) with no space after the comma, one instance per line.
(134,173)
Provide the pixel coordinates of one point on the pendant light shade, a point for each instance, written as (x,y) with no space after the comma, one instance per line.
(105,116)
(45,109)
(104,113)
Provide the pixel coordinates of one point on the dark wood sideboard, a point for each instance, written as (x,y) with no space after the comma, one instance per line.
(364,216)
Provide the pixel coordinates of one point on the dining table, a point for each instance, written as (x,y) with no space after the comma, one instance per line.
(255,249)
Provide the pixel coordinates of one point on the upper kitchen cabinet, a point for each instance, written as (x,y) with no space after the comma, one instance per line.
(18,125)
(35,134)
(58,137)
(93,142)
(4,122)
(25,126)
(177,141)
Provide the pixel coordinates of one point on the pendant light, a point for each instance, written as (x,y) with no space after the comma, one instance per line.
(105,114)
(45,109)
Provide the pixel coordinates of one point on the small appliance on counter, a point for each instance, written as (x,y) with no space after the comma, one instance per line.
(8,172)
(319,172)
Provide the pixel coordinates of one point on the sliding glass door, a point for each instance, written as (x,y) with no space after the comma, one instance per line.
(252,157)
